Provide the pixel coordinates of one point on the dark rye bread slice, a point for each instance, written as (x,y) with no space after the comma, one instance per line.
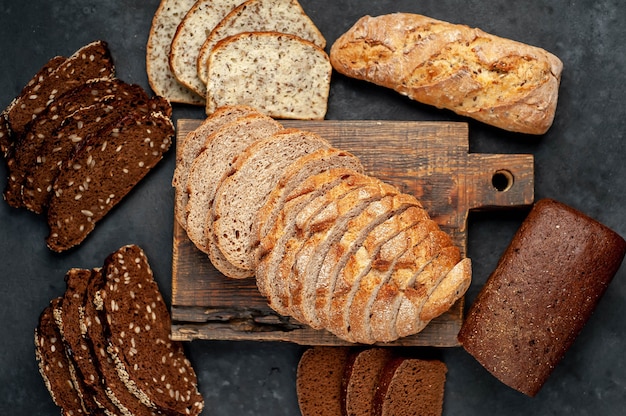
(319,379)
(208,168)
(102,172)
(28,147)
(411,386)
(360,380)
(193,143)
(30,90)
(242,193)
(54,364)
(152,366)
(272,246)
(63,141)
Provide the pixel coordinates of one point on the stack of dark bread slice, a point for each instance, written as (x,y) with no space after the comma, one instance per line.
(368,382)
(77,140)
(104,347)
(329,245)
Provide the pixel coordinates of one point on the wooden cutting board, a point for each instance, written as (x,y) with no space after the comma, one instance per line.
(430,160)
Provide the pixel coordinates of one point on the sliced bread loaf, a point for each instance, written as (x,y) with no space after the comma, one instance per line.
(190,34)
(282,75)
(242,193)
(360,380)
(283,16)
(192,145)
(164,24)
(104,171)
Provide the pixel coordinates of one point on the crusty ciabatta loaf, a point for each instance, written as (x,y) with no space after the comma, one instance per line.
(304,167)
(244,190)
(103,171)
(191,146)
(498,81)
(215,161)
(283,16)
(151,365)
(282,75)
(164,24)
(190,34)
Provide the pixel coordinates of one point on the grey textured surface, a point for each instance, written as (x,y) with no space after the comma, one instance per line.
(579,162)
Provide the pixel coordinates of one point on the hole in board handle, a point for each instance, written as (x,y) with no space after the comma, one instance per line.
(502,180)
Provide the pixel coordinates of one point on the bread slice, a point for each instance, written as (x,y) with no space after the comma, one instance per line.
(304,167)
(166,19)
(140,345)
(102,173)
(192,145)
(305,199)
(282,16)
(190,34)
(208,168)
(242,193)
(410,386)
(360,380)
(63,140)
(319,379)
(282,75)
(54,364)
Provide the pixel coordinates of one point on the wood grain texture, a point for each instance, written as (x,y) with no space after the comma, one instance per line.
(430,160)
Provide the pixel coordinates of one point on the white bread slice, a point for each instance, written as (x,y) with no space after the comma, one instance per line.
(243,192)
(283,16)
(162,81)
(213,162)
(192,145)
(282,75)
(190,34)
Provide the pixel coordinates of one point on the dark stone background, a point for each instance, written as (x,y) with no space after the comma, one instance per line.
(579,162)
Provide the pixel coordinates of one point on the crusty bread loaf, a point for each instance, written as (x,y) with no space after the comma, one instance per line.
(283,16)
(164,24)
(498,81)
(541,294)
(244,190)
(282,75)
(190,34)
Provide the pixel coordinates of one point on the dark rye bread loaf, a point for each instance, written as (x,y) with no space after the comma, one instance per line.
(102,172)
(138,325)
(319,380)
(54,364)
(541,294)
(410,386)
(65,139)
(360,380)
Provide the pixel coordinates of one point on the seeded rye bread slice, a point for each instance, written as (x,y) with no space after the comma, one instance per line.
(27,149)
(319,377)
(162,81)
(53,362)
(360,380)
(214,161)
(410,386)
(139,327)
(105,170)
(304,167)
(272,246)
(29,90)
(284,76)
(192,144)
(282,16)
(190,34)
(63,139)
(242,193)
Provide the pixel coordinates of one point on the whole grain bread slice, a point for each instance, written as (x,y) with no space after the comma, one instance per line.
(190,34)
(360,380)
(166,19)
(194,143)
(243,191)
(90,185)
(282,16)
(282,75)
